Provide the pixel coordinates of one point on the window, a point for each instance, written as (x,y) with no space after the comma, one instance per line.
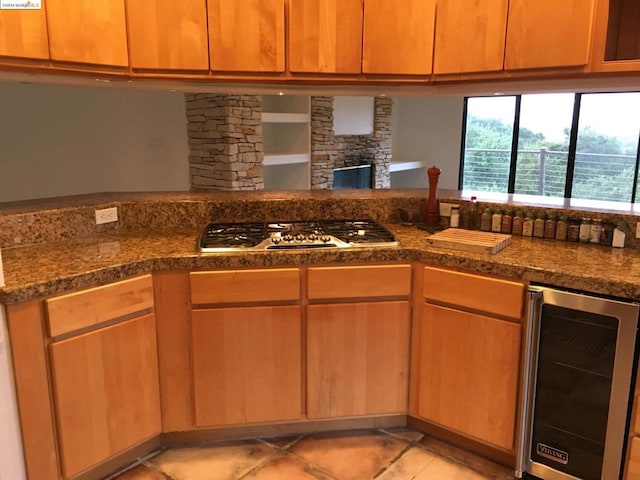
(560,145)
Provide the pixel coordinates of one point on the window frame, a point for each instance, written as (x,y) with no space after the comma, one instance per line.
(571,154)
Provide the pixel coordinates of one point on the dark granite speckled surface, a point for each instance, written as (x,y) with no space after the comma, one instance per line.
(83,257)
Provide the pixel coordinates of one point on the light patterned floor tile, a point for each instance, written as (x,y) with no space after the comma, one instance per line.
(141,472)
(409,465)
(353,456)
(286,467)
(441,469)
(407,434)
(219,462)
(458,455)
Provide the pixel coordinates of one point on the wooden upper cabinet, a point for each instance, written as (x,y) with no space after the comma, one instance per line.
(470,36)
(325,36)
(246,35)
(398,39)
(88,31)
(168,35)
(548,33)
(23,34)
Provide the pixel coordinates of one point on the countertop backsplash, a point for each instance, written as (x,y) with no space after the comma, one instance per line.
(39,221)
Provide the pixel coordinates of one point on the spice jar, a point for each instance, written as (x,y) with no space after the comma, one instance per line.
(596,231)
(507,221)
(538,226)
(496,221)
(550,227)
(606,235)
(516,226)
(454,221)
(562,228)
(573,230)
(527,225)
(485,220)
(585,230)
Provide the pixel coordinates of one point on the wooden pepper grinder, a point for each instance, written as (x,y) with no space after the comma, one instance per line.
(432,216)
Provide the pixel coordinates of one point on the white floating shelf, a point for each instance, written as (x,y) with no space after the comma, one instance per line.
(270,117)
(401,166)
(285,158)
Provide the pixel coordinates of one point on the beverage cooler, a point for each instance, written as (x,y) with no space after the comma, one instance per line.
(11,462)
(579,364)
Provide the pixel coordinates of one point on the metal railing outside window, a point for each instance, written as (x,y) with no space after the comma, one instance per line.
(567,172)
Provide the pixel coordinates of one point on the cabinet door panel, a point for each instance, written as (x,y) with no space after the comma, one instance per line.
(357,359)
(87,31)
(246,35)
(246,365)
(398,40)
(168,35)
(548,33)
(325,36)
(106,395)
(468,374)
(470,36)
(23,34)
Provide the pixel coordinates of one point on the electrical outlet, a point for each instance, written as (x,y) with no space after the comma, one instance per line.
(106,215)
(445,209)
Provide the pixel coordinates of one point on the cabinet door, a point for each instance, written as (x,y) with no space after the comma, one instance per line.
(87,31)
(468,373)
(105,388)
(168,35)
(470,36)
(548,33)
(246,365)
(246,35)
(23,34)
(325,36)
(398,40)
(357,359)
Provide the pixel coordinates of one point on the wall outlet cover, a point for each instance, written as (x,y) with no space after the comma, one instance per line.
(106,215)
(445,209)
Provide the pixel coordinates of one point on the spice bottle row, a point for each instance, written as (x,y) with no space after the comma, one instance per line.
(553,227)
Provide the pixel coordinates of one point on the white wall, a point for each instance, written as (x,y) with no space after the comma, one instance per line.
(57,140)
(427,129)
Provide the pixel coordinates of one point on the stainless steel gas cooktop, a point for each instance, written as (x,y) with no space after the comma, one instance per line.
(233,237)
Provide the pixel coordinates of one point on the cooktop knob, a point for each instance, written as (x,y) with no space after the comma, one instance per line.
(275,240)
(312,236)
(300,237)
(326,238)
(288,238)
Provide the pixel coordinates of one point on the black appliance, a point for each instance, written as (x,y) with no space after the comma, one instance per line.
(578,364)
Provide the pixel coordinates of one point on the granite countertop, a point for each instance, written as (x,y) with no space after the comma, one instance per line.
(64,265)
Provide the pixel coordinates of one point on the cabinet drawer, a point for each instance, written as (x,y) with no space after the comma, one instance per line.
(475,292)
(237,286)
(635,421)
(359,282)
(67,313)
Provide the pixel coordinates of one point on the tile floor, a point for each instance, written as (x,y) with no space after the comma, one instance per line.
(393,454)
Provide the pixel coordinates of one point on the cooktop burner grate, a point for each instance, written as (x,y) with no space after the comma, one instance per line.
(229,237)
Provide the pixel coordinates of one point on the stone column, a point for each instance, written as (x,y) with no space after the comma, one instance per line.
(225,141)
(323,143)
(382,125)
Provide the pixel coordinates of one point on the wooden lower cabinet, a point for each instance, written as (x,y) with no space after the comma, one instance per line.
(105,392)
(247,365)
(468,373)
(633,463)
(357,359)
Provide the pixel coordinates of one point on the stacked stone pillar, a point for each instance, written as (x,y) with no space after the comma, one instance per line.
(323,143)
(225,141)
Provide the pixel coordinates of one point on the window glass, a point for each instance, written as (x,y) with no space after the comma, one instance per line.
(607,147)
(488,138)
(543,143)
